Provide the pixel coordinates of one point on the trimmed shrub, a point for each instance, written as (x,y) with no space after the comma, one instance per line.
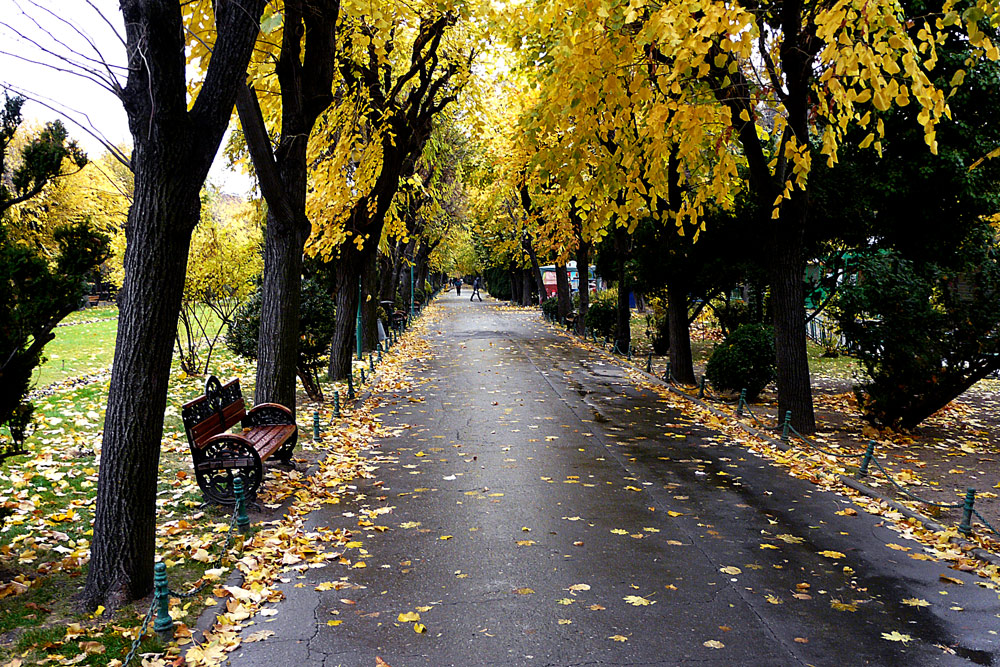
(551,307)
(602,314)
(745,360)
(316,322)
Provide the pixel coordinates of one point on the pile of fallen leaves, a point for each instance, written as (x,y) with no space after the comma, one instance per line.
(44,546)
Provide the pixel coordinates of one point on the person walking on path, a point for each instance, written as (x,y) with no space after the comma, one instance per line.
(458,286)
(476,284)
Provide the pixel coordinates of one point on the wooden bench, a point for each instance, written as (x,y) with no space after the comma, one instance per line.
(268,430)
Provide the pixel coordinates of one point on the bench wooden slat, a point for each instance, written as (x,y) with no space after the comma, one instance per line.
(267,439)
(232,414)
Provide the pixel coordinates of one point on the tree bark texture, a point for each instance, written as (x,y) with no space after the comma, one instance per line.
(536,271)
(565,303)
(789,312)
(369,307)
(583,280)
(623,329)
(173,150)
(681,361)
(526,282)
(516,278)
(344,344)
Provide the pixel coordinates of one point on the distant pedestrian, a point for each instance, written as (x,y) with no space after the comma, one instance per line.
(476,284)
(458,286)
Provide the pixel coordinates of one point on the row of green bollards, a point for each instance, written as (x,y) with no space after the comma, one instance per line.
(163,625)
(968,505)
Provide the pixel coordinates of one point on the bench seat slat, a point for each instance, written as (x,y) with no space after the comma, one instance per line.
(267,439)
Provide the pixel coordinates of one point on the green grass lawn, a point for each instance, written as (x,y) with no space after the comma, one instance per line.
(78,350)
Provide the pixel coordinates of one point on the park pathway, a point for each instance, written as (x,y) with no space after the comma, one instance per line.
(540,509)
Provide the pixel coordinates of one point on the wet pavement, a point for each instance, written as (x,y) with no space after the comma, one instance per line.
(536,507)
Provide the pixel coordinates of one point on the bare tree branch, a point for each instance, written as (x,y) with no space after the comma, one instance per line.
(73,116)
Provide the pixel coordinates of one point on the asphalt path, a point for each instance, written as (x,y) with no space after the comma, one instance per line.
(538,507)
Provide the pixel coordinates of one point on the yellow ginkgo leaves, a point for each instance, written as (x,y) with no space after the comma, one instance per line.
(638,601)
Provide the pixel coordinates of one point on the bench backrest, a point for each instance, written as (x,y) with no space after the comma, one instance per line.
(214,413)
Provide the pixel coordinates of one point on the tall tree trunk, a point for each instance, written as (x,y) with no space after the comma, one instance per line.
(174,145)
(420,268)
(789,311)
(343,348)
(681,362)
(526,281)
(565,303)
(386,265)
(623,329)
(281,287)
(536,270)
(583,280)
(122,553)
(305,70)
(369,304)
(516,278)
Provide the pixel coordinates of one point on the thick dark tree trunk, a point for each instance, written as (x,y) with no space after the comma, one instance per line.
(623,329)
(565,303)
(369,305)
(121,556)
(516,278)
(305,73)
(420,270)
(526,282)
(174,146)
(681,362)
(789,311)
(281,286)
(583,280)
(343,348)
(387,273)
(536,271)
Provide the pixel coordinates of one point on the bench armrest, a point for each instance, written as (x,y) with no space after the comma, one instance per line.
(226,436)
(268,413)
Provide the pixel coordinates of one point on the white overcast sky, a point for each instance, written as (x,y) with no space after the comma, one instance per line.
(80,103)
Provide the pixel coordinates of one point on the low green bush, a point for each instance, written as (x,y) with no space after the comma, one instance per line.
(602,315)
(551,307)
(745,360)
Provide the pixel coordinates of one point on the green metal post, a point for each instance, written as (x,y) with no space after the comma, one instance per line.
(649,363)
(867,459)
(743,399)
(357,329)
(350,386)
(380,355)
(242,519)
(336,405)
(701,389)
(315,425)
(966,526)
(361,380)
(786,426)
(669,375)
(371,364)
(163,625)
